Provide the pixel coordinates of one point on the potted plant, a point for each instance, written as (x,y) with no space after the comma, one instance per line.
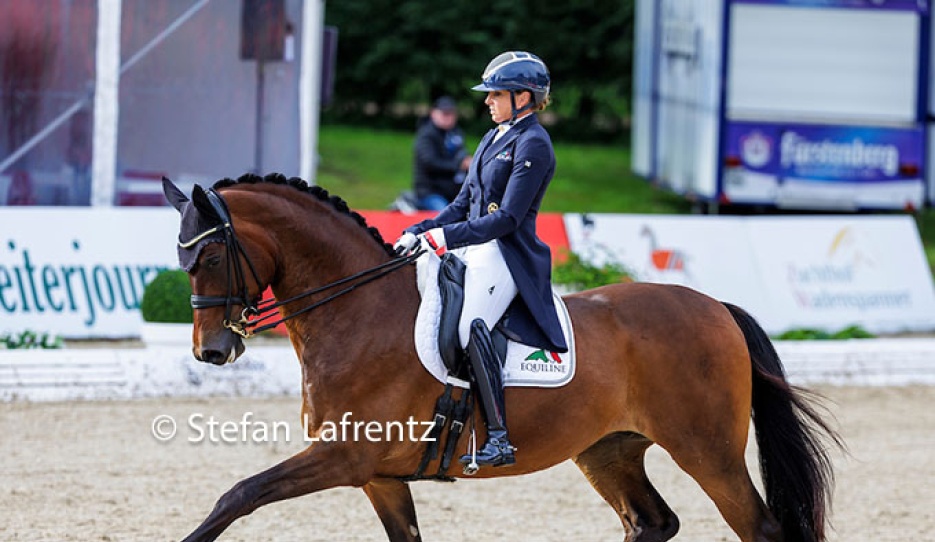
(30,339)
(166,309)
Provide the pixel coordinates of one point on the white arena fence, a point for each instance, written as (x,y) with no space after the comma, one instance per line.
(265,371)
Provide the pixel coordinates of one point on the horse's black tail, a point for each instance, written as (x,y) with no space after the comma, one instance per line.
(790,434)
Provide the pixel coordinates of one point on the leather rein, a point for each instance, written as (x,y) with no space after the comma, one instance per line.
(256,311)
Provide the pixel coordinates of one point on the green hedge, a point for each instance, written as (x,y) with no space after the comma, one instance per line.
(808,334)
(581,274)
(168,298)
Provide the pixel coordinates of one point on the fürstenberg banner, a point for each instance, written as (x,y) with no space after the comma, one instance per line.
(789,272)
(81,272)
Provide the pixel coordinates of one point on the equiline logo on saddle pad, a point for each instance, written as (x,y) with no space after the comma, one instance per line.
(525,365)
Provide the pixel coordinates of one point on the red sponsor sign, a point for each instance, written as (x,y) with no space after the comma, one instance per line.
(550,227)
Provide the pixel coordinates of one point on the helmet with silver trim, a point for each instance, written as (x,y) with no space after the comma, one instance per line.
(517,71)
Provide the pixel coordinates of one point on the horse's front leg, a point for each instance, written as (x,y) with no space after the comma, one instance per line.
(392,501)
(322,465)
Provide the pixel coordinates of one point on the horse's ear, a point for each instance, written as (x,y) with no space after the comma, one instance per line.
(204,207)
(175,196)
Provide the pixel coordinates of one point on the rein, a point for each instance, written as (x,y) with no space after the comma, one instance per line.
(262,309)
(368,275)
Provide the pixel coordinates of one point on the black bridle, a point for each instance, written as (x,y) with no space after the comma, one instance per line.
(261,310)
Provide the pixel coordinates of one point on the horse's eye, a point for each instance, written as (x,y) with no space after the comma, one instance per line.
(212,261)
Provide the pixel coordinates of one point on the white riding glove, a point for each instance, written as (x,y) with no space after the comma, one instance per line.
(434,241)
(405,243)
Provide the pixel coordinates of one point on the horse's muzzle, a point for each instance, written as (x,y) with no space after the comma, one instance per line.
(222,350)
(214,357)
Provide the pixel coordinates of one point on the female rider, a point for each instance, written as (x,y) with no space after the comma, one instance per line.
(491,226)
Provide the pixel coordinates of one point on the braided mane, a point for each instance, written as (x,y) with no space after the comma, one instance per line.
(318,192)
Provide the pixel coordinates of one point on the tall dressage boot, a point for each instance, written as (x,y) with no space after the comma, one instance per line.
(488,375)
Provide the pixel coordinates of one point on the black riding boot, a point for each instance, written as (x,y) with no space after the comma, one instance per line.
(488,376)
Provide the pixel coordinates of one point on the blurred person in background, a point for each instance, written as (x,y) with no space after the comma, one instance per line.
(78,157)
(491,226)
(441,161)
(21,189)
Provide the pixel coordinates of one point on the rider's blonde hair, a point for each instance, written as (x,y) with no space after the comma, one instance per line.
(543,104)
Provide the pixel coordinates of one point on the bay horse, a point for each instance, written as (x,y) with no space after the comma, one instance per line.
(657,364)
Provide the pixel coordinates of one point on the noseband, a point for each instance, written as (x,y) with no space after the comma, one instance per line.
(237,291)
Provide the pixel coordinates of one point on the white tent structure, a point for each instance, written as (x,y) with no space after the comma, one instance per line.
(116,93)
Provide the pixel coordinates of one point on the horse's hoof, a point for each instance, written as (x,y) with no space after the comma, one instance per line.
(471,469)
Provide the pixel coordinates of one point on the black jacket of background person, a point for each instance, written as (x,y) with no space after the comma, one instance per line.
(435,165)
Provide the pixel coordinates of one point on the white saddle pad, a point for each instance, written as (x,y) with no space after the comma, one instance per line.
(525,365)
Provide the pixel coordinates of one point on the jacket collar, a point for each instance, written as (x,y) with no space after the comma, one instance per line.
(495,147)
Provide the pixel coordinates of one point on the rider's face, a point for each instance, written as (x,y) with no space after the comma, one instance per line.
(498,101)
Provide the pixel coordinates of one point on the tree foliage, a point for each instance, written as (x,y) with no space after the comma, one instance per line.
(408,52)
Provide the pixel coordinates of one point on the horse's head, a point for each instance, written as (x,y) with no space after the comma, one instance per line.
(228,270)
(241,236)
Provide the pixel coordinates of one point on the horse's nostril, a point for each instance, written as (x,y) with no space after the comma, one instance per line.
(215,357)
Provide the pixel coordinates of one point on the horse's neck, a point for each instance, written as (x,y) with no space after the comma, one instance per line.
(313,256)
(366,331)
(325,249)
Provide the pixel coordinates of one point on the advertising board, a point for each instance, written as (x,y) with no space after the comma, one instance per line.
(80,272)
(802,104)
(836,166)
(789,272)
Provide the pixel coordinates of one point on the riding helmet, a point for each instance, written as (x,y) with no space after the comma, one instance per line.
(517,70)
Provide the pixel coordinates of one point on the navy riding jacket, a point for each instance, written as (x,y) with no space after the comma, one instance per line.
(500,200)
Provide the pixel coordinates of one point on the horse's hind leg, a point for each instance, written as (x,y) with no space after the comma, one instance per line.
(614,466)
(723,475)
(392,501)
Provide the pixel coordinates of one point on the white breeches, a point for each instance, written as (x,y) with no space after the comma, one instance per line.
(488,287)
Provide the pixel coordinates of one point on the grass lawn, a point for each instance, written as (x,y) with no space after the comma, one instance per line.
(369,168)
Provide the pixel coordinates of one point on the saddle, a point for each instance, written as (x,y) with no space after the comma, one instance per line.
(441,284)
(451,272)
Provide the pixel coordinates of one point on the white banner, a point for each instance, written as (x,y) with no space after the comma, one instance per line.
(709,254)
(790,272)
(80,272)
(823,272)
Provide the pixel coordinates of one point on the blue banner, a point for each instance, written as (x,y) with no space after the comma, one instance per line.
(828,153)
(901,5)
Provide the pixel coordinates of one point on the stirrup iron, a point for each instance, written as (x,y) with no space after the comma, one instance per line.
(471,468)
